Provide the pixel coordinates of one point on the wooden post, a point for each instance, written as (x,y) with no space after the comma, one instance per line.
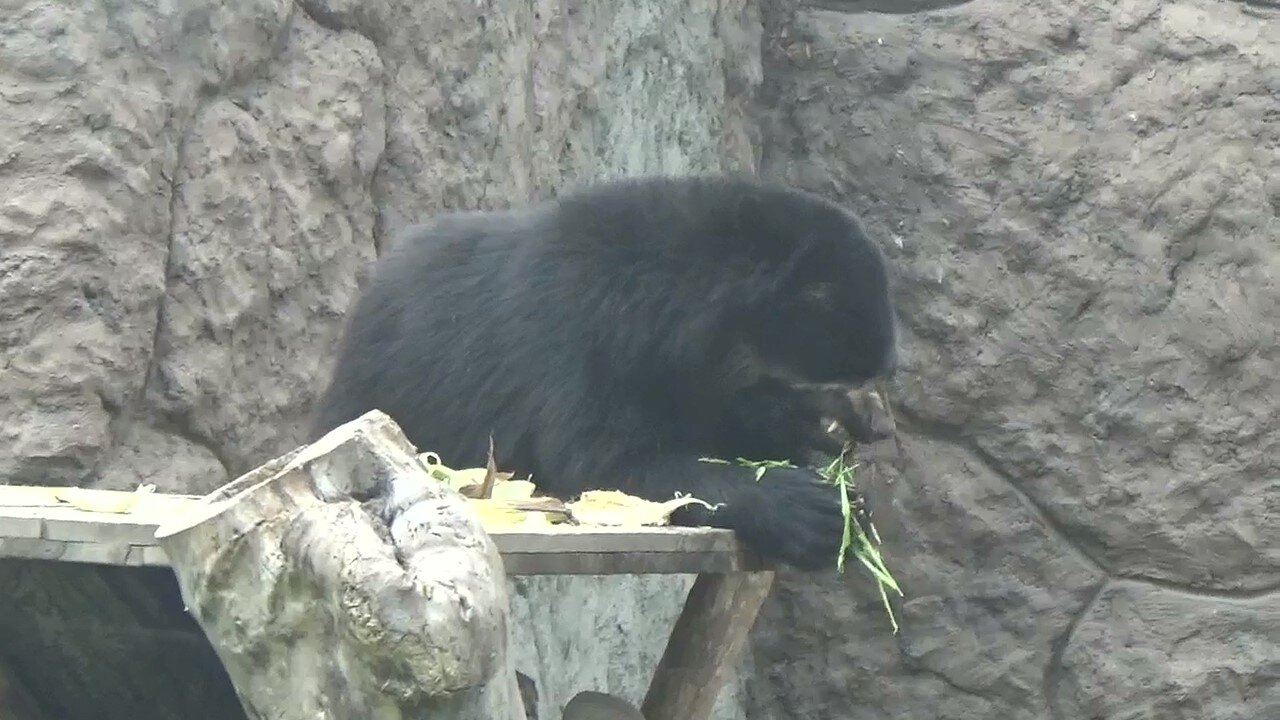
(705,643)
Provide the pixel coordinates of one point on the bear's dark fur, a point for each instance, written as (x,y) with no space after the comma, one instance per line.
(614,337)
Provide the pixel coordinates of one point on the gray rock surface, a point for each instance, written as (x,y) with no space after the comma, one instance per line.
(1081,200)
(1082,204)
(191,192)
(1149,652)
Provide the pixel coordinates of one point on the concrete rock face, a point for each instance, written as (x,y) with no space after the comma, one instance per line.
(191,193)
(1081,201)
(186,212)
(1082,204)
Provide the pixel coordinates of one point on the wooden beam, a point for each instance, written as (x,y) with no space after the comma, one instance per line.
(36,523)
(705,645)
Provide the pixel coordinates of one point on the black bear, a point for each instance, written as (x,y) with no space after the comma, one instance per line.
(616,337)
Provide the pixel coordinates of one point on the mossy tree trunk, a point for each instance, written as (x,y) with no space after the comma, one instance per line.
(340,581)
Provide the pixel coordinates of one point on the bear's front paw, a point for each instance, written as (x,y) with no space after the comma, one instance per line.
(793,516)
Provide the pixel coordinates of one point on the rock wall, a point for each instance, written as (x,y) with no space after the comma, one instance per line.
(191,192)
(1082,201)
(1080,198)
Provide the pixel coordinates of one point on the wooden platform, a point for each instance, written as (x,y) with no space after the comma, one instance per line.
(118,528)
(108,528)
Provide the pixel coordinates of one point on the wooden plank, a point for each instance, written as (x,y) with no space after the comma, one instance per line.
(515,563)
(146,556)
(37,523)
(96,553)
(45,549)
(705,645)
(23,508)
(50,496)
(14,526)
(72,525)
(77,526)
(28,548)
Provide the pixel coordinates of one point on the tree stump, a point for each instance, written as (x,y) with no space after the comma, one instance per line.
(341,581)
